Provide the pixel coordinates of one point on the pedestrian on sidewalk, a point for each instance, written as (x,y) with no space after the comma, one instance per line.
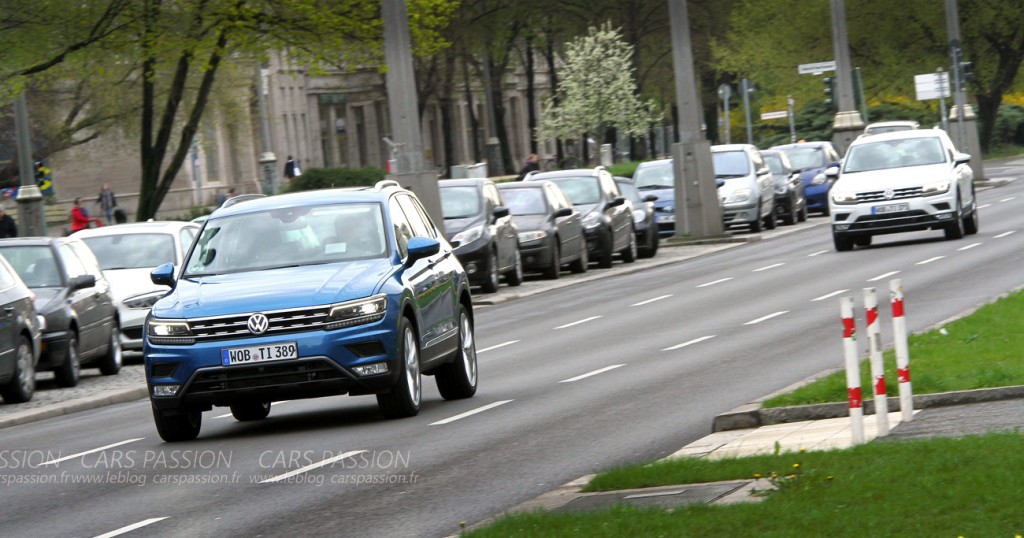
(7,226)
(291,169)
(532,165)
(80,219)
(107,202)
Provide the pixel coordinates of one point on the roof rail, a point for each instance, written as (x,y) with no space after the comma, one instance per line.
(386,183)
(241,198)
(599,167)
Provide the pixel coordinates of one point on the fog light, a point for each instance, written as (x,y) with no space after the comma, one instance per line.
(471,268)
(371,369)
(842,226)
(165,390)
(944,216)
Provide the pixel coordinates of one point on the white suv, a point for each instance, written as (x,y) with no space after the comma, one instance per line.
(900,182)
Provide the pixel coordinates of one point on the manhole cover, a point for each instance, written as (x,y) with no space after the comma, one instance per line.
(666,498)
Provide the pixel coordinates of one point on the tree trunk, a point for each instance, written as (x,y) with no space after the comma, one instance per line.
(531,114)
(474,123)
(988,107)
(500,129)
(549,56)
(446,103)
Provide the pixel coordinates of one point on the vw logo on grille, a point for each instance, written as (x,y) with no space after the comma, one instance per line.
(889,194)
(258,323)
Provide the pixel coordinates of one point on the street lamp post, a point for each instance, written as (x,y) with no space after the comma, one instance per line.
(30,198)
(848,123)
(790,102)
(746,88)
(725,92)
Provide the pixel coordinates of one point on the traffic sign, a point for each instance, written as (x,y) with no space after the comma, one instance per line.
(776,115)
(931,85)
(817,68)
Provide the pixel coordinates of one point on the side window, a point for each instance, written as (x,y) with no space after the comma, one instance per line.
(419,227)
(187,236)
(88,259)
(6,279)
(552,197)
(403,231)
(493,195)
(72,264)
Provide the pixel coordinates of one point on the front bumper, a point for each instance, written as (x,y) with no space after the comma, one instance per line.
(536,254)
(475,258)
(666,221)
(920,213)
(54,349)
(132,322)
(817,196)
(740,214)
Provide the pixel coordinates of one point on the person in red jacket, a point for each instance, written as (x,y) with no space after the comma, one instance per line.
(80,217)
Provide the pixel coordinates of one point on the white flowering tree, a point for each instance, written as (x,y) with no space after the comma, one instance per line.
(596,90)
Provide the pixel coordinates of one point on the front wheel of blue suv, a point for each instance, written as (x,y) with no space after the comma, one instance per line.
(403,400)
(174,426)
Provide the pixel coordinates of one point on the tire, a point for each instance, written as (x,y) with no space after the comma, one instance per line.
(175,426)
(67,374)
(403,400)
(802,215)
(842,243)
(862,241)
(769,221)
(826,212)
(22,385)
(111,363)
(789,218)
(554,270)
(458,379)
(605,261)
(629,253)
(955,230)
(579,266)
(249,410)
(755,227)
(651,248)
(515,276)
(491,284)
(972,223)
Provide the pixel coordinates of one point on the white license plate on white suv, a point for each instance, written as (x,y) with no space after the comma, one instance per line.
(890,208)
(253,354)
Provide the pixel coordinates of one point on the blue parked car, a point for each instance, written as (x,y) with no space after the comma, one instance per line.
(657,178)
(306,295)
(811,159)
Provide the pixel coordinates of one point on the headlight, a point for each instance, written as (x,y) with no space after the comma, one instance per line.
(532,235)
(738,196)
(639,216)
(358,312)
(169,331)
(144,301)
(939,187)
(781,189)
(468,235)
(592,220)
(819,179)
(844,197)
(669,209)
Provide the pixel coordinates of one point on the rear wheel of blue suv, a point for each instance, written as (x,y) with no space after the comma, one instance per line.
(347,291)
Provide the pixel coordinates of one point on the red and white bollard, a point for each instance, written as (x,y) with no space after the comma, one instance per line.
(877,367)
(852,370)
(899,330)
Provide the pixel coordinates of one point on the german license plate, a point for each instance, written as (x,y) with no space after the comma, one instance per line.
(891,208)
(666,218)
(252,354)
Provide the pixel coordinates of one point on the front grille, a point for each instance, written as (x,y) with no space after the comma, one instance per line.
(271,375)
(897,194)
(889,220)
(281,322)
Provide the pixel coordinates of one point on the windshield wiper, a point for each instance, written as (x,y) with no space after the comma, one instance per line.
(728,176)
(650,187)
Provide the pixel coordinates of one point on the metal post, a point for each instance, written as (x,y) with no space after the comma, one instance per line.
(790,102)
(877,367)
(852,370)
(942,99)
(725,92)
(848,123)
(268,161)
(860,93)
(31,217)
(746,89)
(899,333)
(956,56)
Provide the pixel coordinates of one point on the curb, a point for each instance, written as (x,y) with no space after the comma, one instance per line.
(73,406)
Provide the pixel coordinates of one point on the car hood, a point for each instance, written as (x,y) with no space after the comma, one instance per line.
(808,174)
(127,283)
(273,289)
(892,178)
(733,183)
(48,299)
(666,197)
(454,226)
(585,209)
(529,222)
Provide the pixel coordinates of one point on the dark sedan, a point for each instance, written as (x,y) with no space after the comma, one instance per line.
(478,225)
(790,201)
(550,228)
(20,329)
(75,300)
(645,221)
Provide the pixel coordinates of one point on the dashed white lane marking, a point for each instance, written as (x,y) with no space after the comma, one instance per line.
(588,374)
(312,466)
(763,318)
(131,527)
(826,296)
(648,301)
(1004,234)
(713,282)
(591,318)
(1007,199)
(884,275)
(470,413)
(690,343)
(73,456)
(503,344)
(972,245)
(929,260)
(767,267)
(813,254)
(984,206)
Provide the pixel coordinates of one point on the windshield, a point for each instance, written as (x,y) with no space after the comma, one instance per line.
(657,176)
(132,251)
(898,153)
(460,202)
(34,264)
(525,201)
(774,162)
(805,158)
(580,190)
(290,236)
(730,163)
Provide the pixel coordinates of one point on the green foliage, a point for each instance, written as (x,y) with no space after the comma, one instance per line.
(623,169)
(334,178)
(1009,127)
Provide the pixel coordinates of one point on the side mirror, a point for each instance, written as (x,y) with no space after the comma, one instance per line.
(82,282)
(563,212)
(651,198)
(719,182)
(422,247)
(832,172)
(500,212)
(617,201)
(163,275)
(961,158)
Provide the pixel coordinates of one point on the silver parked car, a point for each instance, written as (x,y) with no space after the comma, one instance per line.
(747,189)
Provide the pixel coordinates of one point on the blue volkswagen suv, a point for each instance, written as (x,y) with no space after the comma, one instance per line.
(306,295)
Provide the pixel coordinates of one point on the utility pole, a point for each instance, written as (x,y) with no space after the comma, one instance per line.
(697,211)
(410,169)
(746,89)
(268,161)
(848,123)
(966,134)
(31,218)
(725,92)
(790,104)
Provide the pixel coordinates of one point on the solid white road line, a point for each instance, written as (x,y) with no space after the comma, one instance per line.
(648,301)
(591,318)
(833,294)
(880,277)
(813,254)
(769,316)
(767,267)
(509,343)
(930,260)
(595,372)
(1007,199)
(73,456)
(712,283)
(131,527)
(691,342)
(470,413)
(1004,234)
(310,467)
(972,245)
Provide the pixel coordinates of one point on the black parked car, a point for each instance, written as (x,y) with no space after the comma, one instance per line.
(607,215)
(477,223)
(20,330)
(644,217)
(790,202)
(550,228)
(75,300)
